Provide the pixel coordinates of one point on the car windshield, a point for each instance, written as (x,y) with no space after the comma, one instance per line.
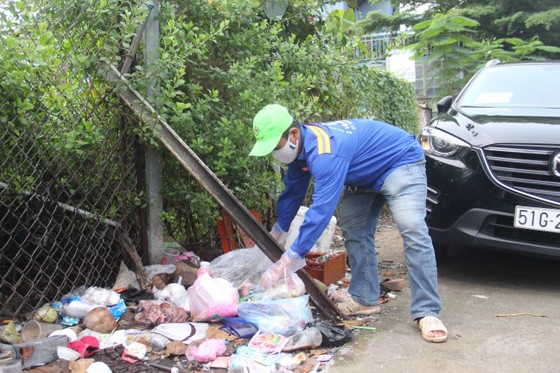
(505,86)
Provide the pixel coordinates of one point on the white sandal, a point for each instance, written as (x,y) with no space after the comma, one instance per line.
(430,324)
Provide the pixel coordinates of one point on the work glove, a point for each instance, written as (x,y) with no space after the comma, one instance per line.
(279,235)
(281,271)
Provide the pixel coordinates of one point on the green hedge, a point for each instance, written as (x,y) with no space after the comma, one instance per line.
(220,62)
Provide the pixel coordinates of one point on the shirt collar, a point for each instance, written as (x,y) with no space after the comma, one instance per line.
(303,133)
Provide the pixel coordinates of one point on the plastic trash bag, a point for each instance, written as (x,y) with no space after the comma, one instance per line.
(282,316)
(101,296)
(175,294)
(155,269)
(133,296)
(77,307)
(247,359)
(189,256)
(151,313)
(211,299)
(238,327)
(324,241)
(85,346)
(333,336)
(241,265)
(289,287)
(337,295)
(126,278)
(208,351)
(10,334)
(175,331)
(72,305)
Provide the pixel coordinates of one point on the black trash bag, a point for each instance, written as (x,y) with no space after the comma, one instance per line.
(333,336)
(131,296)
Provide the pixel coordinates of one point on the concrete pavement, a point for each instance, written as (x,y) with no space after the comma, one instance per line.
(476,287)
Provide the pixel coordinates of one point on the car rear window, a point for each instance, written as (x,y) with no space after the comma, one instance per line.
(530,85)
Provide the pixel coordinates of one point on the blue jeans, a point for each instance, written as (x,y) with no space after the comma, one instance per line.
(405,192)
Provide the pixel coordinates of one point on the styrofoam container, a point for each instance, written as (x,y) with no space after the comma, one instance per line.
(68,332)
(98,367)
(66,353)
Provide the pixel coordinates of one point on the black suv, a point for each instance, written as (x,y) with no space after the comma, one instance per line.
(493,161)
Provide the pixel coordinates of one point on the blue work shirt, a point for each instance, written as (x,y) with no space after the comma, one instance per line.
(353,152)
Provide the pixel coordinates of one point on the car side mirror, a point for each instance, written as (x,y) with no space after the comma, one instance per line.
(444,104)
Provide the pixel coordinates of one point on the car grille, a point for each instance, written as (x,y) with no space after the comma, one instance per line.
(502,226)
(432,198)
(524,169)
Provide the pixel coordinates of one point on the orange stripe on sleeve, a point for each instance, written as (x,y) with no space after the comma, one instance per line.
(323,141)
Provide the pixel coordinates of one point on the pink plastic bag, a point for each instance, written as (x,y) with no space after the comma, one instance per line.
(209,350)
(212,299)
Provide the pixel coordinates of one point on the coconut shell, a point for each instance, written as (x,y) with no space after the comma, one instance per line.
(160,280)
(187,272)
(100,320)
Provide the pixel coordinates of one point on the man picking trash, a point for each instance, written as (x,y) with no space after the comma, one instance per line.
(368,163)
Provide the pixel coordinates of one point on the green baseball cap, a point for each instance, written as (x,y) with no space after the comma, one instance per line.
(268,125)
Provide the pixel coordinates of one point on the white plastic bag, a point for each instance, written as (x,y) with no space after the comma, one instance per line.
(155,269)
(126,278)
(175,294)
(101,296)
(211,299)
(323,243)
(78,308)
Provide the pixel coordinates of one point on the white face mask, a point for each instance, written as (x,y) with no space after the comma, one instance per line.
(286,154)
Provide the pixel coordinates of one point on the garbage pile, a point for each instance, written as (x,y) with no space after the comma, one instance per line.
(195,316)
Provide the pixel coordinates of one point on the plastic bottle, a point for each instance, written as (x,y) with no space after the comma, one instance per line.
(204,268)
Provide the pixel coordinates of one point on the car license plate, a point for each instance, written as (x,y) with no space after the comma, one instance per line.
(539,219)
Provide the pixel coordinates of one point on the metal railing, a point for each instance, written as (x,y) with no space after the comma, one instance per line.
(380,45)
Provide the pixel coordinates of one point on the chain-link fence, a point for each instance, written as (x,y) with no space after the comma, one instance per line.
(70,163)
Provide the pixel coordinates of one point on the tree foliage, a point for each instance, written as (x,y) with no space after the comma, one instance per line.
(457,37)
(448,42)
(498,19)
(220,62)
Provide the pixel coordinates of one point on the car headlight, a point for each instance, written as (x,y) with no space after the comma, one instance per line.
(439,143)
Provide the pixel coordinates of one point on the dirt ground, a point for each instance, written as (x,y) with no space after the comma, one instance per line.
(502,312)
